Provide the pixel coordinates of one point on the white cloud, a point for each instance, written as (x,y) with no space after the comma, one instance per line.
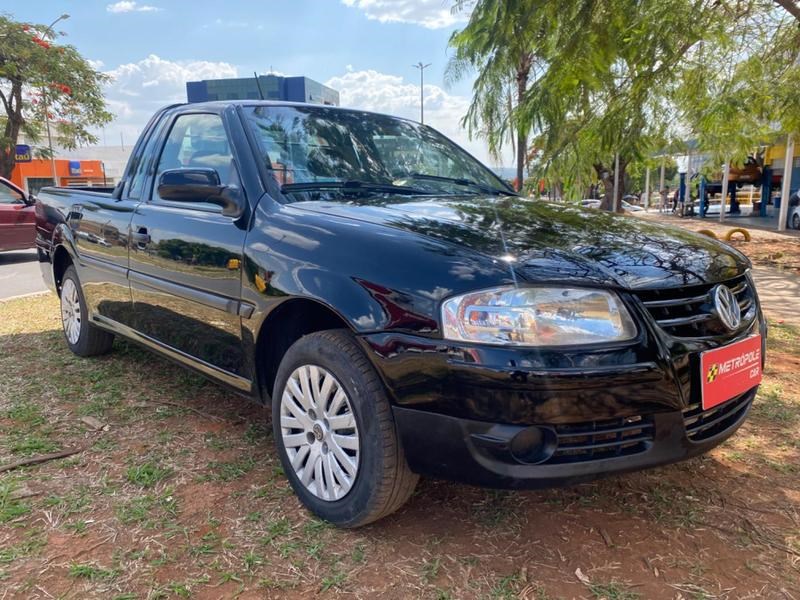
(229,24)
(433,14)
(140,88)
(390,94)
(126,6)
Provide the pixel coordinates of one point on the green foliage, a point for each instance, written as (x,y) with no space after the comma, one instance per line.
(739,90)
(497,45)
(638,78)
(39,77)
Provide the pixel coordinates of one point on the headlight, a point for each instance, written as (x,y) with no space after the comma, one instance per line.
(537,316)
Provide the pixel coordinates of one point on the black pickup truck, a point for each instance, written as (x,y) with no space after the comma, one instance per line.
(401,308)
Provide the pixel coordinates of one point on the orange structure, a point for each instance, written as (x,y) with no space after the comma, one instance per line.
(38,173)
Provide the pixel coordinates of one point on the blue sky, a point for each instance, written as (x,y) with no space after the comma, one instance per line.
(364,48)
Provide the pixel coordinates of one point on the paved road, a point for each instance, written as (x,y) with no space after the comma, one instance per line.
(20,274)
(778,292)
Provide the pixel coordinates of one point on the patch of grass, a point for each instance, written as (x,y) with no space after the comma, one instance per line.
(430,569)
(358,555)
(148,511)
(257,433)
(217,442)
(252,560)
(25,413)
(91,572)
(506,588)
(227,576)
(334,580)
(783,338)
(77,527)
(772,405)
(147,474)
(10,508)
(276,529)
(31,443)
(228,471)
(613,591)
(33,542)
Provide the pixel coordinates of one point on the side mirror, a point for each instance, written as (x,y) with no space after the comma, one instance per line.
(30,200)
(200,185)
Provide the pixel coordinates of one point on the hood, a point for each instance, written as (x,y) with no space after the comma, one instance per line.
(544,241)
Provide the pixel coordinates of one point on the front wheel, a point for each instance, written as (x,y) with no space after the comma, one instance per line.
(796,220)
(83,338)
(335,433)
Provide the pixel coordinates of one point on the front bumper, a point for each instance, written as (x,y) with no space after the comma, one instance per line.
(458,407)
(480,453)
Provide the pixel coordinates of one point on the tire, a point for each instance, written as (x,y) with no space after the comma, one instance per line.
(83,338)
(796,220)
(363,434)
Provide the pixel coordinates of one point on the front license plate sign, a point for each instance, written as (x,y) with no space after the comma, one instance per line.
(729,371)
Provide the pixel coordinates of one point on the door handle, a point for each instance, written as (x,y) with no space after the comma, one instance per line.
(141,238)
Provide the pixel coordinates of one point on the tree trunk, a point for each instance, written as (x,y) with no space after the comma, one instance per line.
(607,181)
(13,109)
(523,71)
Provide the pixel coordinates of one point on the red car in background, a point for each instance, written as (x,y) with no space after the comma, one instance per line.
(17,218)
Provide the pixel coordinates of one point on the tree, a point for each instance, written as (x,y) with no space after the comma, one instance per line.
(40,79)
(608,69)
(739,90)
(497,43)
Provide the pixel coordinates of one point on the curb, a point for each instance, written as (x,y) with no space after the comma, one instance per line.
(29,295)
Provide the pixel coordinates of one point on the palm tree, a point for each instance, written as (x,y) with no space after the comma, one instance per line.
(496,44)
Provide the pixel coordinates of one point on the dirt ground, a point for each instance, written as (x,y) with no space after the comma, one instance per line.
(765,248)
(175,491)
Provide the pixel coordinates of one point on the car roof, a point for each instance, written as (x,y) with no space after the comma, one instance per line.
(218,104)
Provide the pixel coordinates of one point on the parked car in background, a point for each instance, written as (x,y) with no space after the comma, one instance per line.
(793,219)
(590,203)
(400,308)
(17,218)
(631,207)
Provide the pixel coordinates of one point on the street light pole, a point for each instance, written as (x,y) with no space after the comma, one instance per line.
(49,33)
(421,68)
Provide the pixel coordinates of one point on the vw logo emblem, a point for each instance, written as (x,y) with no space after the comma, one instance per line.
(727,307)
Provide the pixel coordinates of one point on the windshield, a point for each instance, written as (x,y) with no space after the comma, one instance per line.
(334,151)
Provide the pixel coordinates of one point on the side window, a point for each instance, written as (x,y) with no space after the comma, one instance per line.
(142,166)
(198,141)
(9,195)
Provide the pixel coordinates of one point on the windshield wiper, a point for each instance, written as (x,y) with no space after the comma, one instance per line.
(463,182)
(351,186)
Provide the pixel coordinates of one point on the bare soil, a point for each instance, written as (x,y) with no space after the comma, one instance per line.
(167,502)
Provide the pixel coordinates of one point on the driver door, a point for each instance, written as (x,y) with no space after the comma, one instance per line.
(186,258)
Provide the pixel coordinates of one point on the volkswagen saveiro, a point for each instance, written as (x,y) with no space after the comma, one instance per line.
(400,308)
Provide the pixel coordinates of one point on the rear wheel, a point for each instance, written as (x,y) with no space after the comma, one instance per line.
(335,434)
(796,220)
(83,338)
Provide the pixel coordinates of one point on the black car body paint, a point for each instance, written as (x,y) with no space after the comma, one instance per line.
(208,291)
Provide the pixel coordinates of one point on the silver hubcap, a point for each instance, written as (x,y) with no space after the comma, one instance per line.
(319,432)
(71,311)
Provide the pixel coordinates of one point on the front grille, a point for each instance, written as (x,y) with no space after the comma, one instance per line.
(704,424)
(597,440)
(689,311)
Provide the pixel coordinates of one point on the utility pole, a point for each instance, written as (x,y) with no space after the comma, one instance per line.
(49,33)
(421,68)
(647,189)
(726,174)
(661,185)
(786,183)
